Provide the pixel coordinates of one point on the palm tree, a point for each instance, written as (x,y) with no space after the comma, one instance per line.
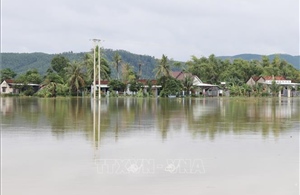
(76,76)
(88,63)
(117,60)
(163,68)
(188,83)
(275,88)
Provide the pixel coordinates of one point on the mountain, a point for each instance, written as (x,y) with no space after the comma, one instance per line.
(294,60)
(21,62)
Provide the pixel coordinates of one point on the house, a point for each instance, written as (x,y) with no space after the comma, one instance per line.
(8,87)
(253,80)
(280,80)
(104,86)
(287,85)
(154,87)
(199,86)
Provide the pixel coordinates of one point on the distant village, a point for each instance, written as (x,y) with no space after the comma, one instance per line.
(199,88)
(91,77)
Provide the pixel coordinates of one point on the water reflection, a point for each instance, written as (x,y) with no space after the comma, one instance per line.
(117,117)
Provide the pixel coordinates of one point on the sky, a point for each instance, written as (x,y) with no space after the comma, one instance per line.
(176,28)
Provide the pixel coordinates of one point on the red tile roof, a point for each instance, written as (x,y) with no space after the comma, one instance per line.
(180,75)
(9,81)
(144,81)
(255,78)
(105,82)
(274,78)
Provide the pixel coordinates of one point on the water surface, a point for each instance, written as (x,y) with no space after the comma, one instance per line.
(134,146)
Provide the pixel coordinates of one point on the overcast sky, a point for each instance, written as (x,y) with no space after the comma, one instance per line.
(176,28)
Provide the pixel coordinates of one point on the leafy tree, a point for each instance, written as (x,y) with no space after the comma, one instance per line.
(116,85)
(265,61)
(135,86)
(172,87)
(76,76)
(59,63)
(50,85)
(7,73)
(128,75)
(31,76)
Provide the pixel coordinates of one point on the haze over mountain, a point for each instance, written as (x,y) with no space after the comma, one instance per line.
(21,62)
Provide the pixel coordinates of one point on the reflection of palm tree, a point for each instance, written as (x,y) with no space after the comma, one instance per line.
(76,76)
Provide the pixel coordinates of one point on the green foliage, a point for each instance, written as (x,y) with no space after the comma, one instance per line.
(162,68)
(140,93)
(172,87)
(7,73)
(135,86)
(31,76)
(274,88)
(187,84)
(28,90)
(88,65)
(128,75)
(59,64)
(76,77)
(53,89)
(116,85)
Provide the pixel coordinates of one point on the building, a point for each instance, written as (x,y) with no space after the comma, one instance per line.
(104,87)
(286,84)
(8,87)
(200,88)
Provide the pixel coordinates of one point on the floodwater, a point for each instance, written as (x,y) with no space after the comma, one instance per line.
(134,146)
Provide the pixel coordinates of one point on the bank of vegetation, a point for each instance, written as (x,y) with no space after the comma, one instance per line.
(74,76)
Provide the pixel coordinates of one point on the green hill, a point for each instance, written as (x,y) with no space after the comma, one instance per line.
(21,62)
(294,60)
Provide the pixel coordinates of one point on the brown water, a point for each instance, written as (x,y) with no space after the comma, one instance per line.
(150,146)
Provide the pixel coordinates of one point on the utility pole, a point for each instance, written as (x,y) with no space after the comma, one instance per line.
(99,71)
(96,41)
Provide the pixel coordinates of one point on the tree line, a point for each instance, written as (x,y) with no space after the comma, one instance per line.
(65,77)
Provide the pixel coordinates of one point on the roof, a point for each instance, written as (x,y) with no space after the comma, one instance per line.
(180,75)
(104,82)
(9,81)
(255,78)
(145,81)
(274,78)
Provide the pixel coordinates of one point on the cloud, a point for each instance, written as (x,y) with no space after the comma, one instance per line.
(176,28)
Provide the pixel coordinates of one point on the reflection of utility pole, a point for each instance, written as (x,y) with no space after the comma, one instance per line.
(96,41)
